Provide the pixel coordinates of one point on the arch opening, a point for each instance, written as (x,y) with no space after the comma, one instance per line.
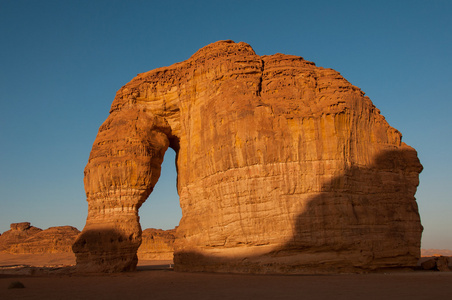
(161,210)
(160,214)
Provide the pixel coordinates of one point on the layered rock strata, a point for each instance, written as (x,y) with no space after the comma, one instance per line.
(283,167)
(18,233)
(157,244)
(52,240)
(24,238)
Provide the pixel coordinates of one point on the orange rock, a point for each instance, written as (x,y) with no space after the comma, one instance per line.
(282,167)
(18,233)
(52,240)
(20,226)
(157,244)
(24,238)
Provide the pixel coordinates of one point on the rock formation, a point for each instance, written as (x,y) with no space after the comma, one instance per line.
(24,238)
(157,244)
(18,233)
(283,167)
(440,263)
(52,240)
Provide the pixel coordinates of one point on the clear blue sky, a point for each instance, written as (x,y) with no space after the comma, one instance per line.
(61,63)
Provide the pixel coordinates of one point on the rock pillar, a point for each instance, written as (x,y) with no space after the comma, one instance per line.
(122,170)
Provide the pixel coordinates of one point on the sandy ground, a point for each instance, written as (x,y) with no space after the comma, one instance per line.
(156,280)
(37,260)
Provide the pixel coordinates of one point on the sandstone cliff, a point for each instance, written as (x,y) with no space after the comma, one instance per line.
(18,233)
(157,244)
(52,240)
(24,238)
(283,166)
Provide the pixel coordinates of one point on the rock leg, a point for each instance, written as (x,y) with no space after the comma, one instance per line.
(122,170)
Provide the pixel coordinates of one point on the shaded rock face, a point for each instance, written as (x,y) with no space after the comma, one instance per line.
(440,263)
(157,244)
(283,167)
(24,238)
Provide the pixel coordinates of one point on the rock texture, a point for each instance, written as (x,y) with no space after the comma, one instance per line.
(18,233)
(52,240)
(157,244)
(24,238)
(440,263)
(283,167)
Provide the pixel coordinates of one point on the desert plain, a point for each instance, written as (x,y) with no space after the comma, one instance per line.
(50,276)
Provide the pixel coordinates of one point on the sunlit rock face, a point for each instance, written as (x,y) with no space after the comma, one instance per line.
(283,167)
(23,238)
(157,244)
(18,233)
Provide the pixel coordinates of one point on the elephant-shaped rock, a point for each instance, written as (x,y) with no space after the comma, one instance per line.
(282,167)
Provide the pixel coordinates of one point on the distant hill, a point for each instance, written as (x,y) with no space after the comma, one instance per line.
(157,244)
(436,252)
(23,238)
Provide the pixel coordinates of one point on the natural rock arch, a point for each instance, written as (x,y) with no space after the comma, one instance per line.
(282,167)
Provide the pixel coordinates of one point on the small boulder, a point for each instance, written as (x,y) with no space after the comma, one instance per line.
(429,264)
(16,285)
(20,226)
(439,263)
(442,264)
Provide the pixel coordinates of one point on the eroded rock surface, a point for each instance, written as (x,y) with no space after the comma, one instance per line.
(24,238)
(283,166)
(52,240)
(157,244)
(18,233)
(439,263)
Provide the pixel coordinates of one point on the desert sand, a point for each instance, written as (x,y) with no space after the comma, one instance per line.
(156,280)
